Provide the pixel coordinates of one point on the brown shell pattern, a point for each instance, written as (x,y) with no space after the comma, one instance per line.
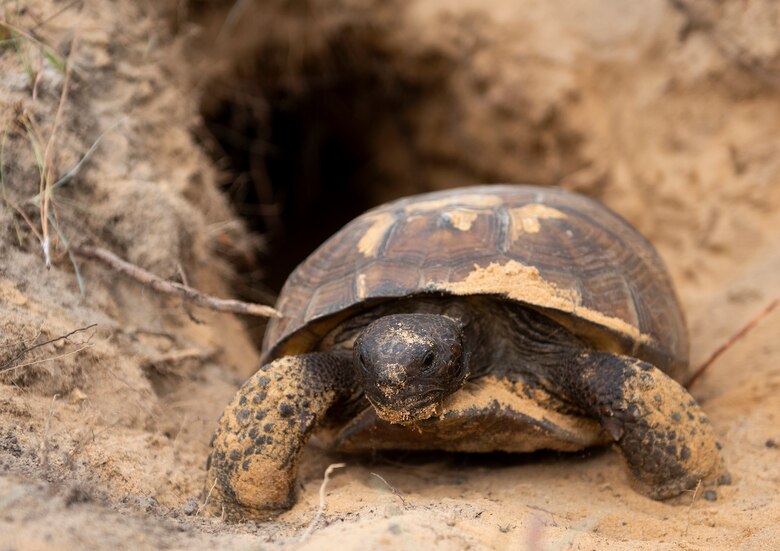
(563,253)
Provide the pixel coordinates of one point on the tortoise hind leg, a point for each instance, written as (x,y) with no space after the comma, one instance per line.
(661,431)
(253,463)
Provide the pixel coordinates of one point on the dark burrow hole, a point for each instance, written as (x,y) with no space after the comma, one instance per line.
(293,177)
(301,159)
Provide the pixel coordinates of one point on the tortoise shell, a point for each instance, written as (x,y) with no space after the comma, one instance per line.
(561,253)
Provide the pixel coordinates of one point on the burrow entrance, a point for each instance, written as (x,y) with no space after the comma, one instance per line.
(305,148)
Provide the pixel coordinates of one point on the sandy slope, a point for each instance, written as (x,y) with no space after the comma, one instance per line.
(668,114)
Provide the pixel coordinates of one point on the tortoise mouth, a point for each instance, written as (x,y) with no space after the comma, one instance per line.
(406,412)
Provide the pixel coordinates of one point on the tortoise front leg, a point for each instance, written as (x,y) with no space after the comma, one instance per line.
(253,462)
(661,431)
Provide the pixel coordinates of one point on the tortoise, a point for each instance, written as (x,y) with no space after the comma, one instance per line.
(490,318)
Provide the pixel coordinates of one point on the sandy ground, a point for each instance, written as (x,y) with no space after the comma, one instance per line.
(669,112)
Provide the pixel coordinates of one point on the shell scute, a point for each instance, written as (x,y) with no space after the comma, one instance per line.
(560,252)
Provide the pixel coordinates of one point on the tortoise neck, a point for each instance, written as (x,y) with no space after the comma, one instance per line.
(537,345)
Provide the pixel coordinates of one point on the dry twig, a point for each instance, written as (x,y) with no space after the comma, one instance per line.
(688,513)
(391,488)
(82,441)
(51,359)
(206,501)
(313,524)
(172,288)
(734,338)
(9,365)
(44,459)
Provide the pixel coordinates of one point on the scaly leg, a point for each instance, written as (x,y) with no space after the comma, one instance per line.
(253,463)
(661,431)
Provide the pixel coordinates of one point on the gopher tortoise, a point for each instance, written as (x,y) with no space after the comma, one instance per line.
(503,317)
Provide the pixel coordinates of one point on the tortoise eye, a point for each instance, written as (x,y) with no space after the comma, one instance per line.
(362,361)
(428,360)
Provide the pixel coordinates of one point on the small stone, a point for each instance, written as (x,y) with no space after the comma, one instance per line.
(770,443)
(77,396)
(141,502)
(191,507)
(710,495)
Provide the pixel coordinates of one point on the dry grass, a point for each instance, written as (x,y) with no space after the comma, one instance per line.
(30,49)
(321,509)
(44,451)
(10,365)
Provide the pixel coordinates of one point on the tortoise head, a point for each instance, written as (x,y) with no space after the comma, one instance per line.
(408,364)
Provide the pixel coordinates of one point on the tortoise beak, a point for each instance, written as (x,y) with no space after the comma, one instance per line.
(411,411)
